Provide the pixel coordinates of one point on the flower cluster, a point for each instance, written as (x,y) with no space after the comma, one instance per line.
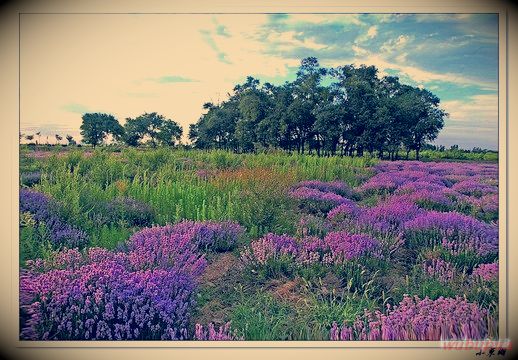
(98,296)
(486,272)
(224,333)
(438,186)
(162,247)
(346,211)
(218,236)
(336,248)
(306,193)
(45,210)
(144,291)
(439,269)
(422,320)
(270,247)
(474,188)
(30,178)
(387,217)
(453,231)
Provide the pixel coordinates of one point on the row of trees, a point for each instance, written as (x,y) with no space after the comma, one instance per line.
(347,110)
(58,137)
(148,127)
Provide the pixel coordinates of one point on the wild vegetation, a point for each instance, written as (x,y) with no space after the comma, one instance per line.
(161,243)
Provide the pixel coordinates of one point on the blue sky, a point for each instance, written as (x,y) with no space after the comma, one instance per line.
(173,64)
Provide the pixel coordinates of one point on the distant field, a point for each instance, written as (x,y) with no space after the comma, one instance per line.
(213,245)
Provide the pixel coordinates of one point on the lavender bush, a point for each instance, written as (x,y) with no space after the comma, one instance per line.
(217,236)
(44,210)
(100,297)
(422,320)
(453,231)
(223,333)
(161,247)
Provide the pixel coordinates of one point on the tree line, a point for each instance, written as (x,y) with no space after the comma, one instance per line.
(345,110)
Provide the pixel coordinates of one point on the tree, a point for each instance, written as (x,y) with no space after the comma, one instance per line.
(38,134)
(70,140)
(97,126)
(156,127)
(29,137)
(353,111)
(170,133)
(426,119)
(58,138)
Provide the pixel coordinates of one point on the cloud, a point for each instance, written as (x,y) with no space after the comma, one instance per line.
(174,79)
(221,56)
(396,44)
(221,30)
(477,109)
(372,32)
(291,39)
(75,108)
(422,18)
(195,52)
(359,51)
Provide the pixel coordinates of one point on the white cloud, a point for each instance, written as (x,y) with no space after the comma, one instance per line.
(480,109)
(359,51)
(369,34)
(397,44)
(372,32)
(287,40)
(441,17)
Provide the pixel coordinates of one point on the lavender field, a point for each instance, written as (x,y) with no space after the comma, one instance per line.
(209,245)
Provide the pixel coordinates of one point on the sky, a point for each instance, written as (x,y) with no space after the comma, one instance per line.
(126,65)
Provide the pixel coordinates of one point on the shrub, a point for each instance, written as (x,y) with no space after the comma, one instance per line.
(422,320)
(130,211)
(211,235)
(45,210)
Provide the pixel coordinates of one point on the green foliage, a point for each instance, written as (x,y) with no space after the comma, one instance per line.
(96,127)
(154,127)
(247,188)
(357,113)
(34,240)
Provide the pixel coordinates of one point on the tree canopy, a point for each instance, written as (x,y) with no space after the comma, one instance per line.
(347,110)
(97,126)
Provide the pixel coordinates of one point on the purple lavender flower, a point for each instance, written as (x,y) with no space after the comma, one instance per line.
(162,247)
(422,320)
(218,236)
(440,270)
(474,188)
(269,247)
(344,246)
(486,272)
(455,232)
(104,300)
(30,178)
(45,210)
(388,217)
(305,193)
(348,210)
(224,333)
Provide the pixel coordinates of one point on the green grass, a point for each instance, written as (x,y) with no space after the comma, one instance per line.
(250,189)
